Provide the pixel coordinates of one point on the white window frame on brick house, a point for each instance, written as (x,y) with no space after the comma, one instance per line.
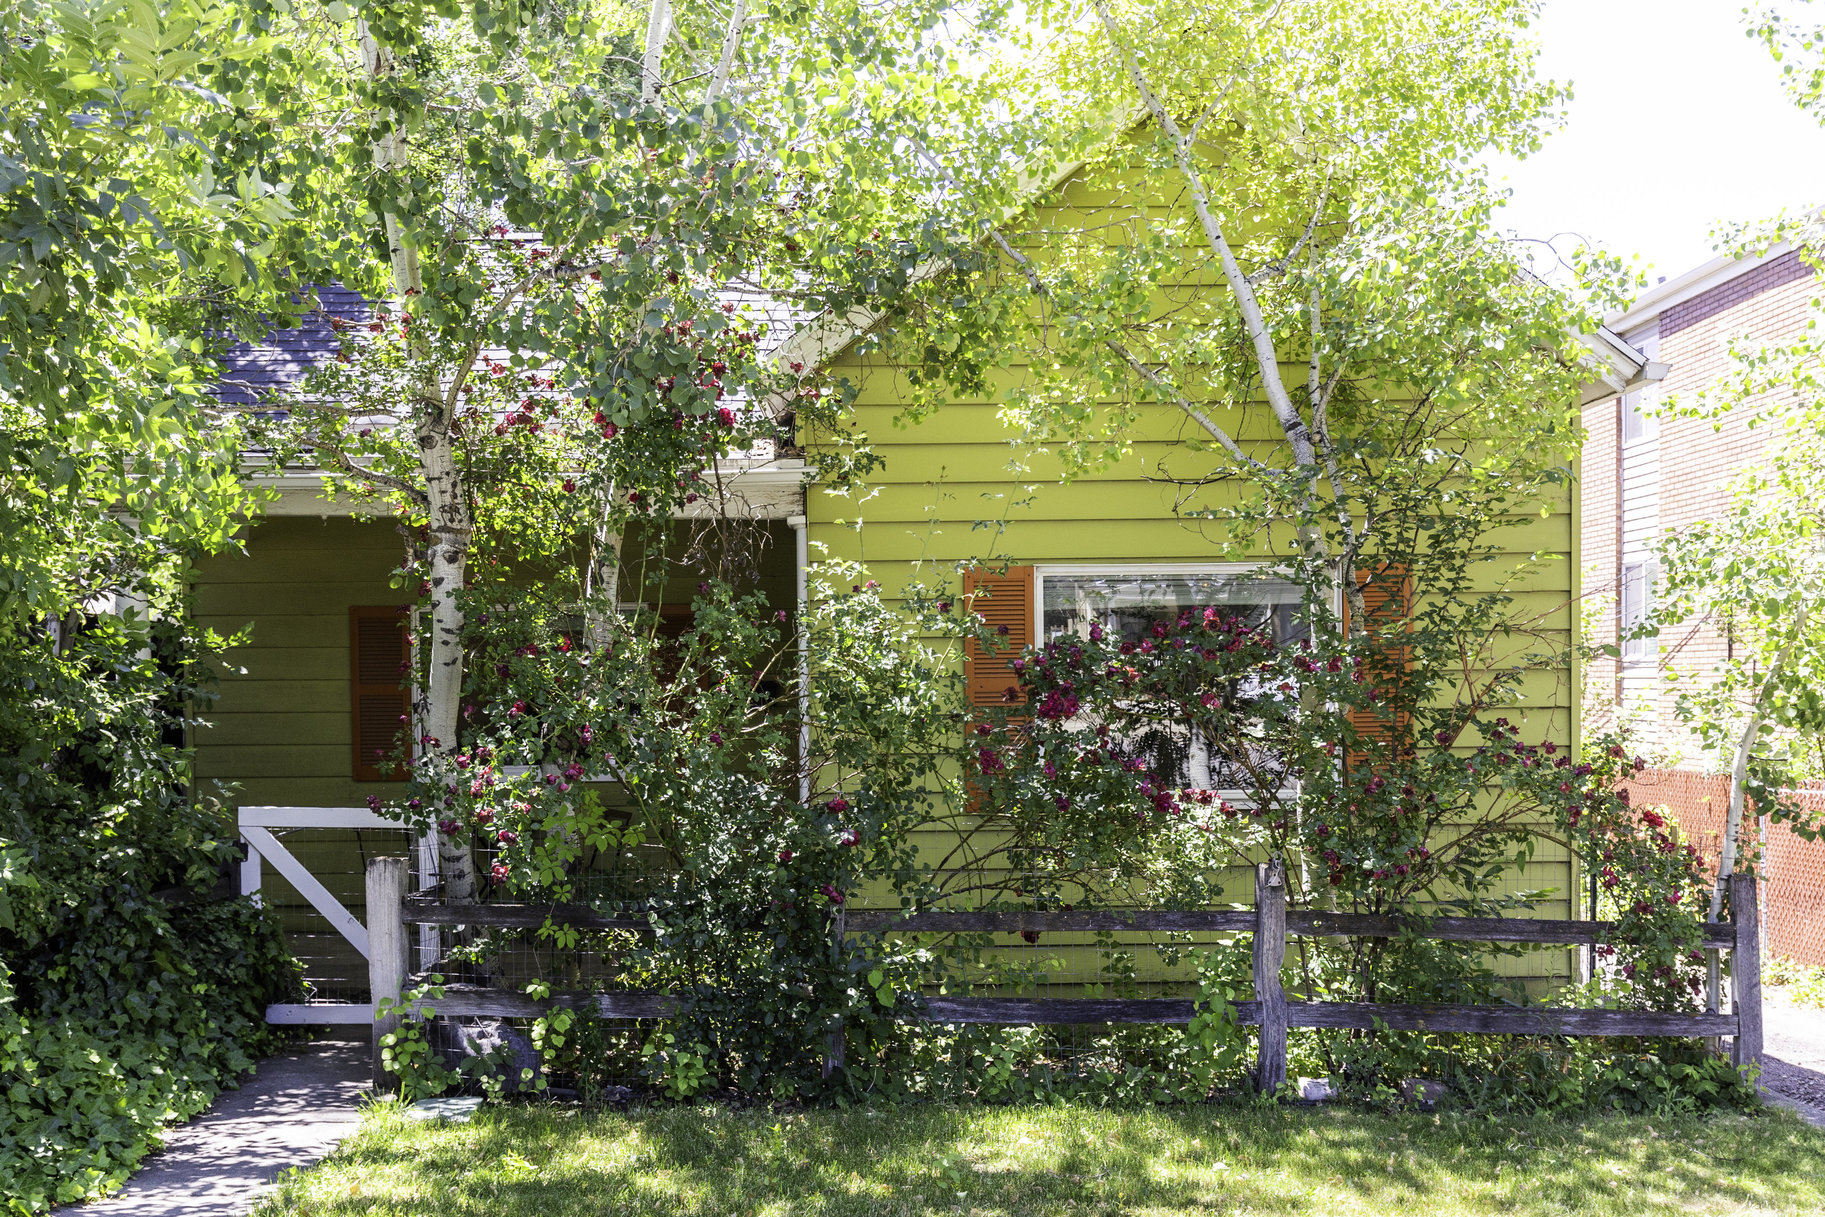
(1638,426)
(1634,605)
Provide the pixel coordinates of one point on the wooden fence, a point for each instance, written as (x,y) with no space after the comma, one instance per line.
(390,911)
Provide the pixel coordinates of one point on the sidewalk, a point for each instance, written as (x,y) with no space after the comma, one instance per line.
(295,1109)
(1793,1052)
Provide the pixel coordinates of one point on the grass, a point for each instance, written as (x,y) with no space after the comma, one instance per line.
(537,1161)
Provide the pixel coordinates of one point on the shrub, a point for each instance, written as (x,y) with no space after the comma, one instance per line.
(125,1002)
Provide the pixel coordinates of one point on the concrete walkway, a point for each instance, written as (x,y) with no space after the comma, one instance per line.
(1793,1050)
(295,1109)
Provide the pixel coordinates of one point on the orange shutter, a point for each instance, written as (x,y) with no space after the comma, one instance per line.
(1387,600)
(379,648)
(1001,600)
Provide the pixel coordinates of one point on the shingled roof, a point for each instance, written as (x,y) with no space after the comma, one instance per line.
(256,373)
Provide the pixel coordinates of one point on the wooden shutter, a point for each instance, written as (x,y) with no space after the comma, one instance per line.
(1003,600)
(379,692)
(1387,601)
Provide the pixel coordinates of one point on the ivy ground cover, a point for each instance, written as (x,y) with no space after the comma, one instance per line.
(553,1161)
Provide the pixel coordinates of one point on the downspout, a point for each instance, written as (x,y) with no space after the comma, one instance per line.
(801,541)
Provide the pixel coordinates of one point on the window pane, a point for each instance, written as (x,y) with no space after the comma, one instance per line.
(1637,605)
(1126,605)
(1635,424)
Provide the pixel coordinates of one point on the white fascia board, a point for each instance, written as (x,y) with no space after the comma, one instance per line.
(1620,368)
(301,493)
(764,490)
(1695,282)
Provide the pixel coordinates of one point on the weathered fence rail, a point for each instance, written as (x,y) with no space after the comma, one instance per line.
(1269,923)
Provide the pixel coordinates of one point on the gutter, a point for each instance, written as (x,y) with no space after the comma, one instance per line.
(1618,367)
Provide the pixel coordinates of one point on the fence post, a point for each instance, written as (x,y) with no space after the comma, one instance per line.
(387,961)
(1746,971)
(1270,953)
(833,1039)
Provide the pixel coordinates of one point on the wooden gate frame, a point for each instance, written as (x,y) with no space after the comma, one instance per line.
(256,825)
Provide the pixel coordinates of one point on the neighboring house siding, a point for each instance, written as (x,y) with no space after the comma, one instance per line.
(1698,460)
(281,728)
(1599,549)
(1680,476)
(1639,466)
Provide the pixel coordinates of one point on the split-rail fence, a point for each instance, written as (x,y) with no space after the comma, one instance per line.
(1270,923)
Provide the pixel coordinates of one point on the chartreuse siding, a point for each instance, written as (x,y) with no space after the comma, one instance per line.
(950,492)
(280,732)
(281,728)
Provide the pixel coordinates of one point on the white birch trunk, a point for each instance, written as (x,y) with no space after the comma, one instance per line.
(602,578)
(451,527)
(1261,339)
(447,561)
(731,42)
(658,29)
(1739,764)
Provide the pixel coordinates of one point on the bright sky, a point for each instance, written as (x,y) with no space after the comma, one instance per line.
(1677,121)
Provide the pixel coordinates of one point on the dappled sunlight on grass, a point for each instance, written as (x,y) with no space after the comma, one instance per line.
(908,1162)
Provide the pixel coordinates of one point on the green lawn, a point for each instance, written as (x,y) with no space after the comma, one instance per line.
(551,1162)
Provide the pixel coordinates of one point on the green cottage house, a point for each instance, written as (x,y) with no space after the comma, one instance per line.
(316,689)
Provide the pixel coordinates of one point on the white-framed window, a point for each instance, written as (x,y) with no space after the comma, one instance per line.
(1637,423)
(1635,605)
(1126,600)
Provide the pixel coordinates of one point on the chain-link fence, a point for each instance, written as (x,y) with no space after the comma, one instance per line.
(1792,868)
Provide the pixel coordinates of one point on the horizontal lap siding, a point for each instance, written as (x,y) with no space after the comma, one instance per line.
(963,486)
(280,728)
(917,518)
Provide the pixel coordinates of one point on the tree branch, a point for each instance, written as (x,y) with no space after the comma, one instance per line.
(1121,352)
(731,41)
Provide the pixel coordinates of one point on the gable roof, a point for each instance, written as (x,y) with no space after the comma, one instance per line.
(1617,366)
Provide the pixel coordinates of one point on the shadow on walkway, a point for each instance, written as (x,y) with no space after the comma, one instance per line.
(1793,1065)
(295,1109)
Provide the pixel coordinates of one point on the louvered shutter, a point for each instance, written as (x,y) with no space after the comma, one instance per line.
(1002,600)
(1387,601)
(379,697)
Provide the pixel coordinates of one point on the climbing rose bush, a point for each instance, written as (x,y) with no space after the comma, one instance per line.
(661,776)
(1203,745)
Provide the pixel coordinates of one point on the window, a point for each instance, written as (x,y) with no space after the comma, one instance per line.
(1637,425)
(1636,607)
(1127,601)
(380,701)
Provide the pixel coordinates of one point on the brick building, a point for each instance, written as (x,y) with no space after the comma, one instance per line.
(1642,477)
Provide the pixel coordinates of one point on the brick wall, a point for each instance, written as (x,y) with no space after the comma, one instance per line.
(1776,272)
(1699,459)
